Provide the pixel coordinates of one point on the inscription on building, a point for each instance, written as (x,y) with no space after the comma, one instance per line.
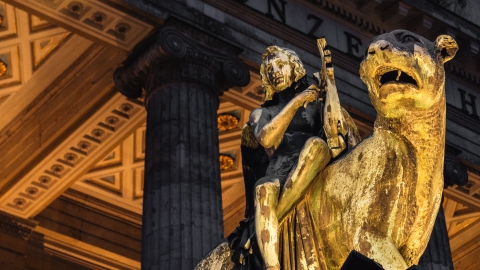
(305,20)
(468,101)
(301,18)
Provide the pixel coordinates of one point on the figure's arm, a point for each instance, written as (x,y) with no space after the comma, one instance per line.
(269,133)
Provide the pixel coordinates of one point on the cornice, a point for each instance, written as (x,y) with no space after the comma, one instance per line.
(459,117)
(447,17)
(87,255)
(15,226)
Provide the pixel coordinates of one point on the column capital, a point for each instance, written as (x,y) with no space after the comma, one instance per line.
(178,52)
(15,226)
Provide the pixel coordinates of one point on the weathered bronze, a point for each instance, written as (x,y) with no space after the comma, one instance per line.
(382,197)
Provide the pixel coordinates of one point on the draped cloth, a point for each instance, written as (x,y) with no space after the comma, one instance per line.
(298,247)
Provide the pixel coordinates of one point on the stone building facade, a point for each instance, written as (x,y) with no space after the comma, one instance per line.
(76,151)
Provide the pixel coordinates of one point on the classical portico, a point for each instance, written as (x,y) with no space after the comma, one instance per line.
(75,151)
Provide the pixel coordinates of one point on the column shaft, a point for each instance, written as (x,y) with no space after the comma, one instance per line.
(437,255)
(182,199)
(183,70)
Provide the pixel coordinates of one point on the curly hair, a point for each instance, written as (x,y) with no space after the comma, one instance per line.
(294,60)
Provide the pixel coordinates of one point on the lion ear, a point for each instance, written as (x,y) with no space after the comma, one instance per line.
(447,46)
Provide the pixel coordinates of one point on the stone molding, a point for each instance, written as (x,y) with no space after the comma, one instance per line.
(15,226)
(181,53)
(82,253)
(94,19)
(75,155)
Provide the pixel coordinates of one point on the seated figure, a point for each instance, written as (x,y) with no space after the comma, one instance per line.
(289,129)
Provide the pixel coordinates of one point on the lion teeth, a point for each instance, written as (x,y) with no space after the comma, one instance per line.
(398,75)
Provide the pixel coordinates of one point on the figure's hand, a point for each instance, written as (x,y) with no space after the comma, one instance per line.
(309,95)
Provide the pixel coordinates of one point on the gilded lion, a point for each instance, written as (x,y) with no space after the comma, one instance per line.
(382,197)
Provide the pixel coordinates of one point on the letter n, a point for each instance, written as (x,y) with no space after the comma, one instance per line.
(279,10)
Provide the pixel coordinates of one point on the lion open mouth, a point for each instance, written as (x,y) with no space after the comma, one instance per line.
(396,76)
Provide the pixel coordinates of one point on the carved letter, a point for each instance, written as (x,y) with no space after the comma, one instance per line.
(470,103)
(351,45)
(315,26)
(280,11)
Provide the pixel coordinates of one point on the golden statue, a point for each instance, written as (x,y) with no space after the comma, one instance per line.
(382,197)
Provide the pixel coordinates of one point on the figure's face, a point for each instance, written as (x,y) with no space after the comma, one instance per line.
(279,71)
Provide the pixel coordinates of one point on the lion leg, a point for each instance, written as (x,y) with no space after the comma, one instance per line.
(313,158)
(266,222)
(382,249)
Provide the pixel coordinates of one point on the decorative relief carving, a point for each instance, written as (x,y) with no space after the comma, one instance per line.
(118,178)
(226,162)
(111,183)
(10,57)
(95,18)
(38,24)
(227,122)
(56,171)
(3,68)
(17,57)
(42,48)
(8,27)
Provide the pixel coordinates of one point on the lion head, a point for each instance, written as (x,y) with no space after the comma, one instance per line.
(404,71)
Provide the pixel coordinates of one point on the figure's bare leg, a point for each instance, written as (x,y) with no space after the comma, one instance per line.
(266,223)
(313,158)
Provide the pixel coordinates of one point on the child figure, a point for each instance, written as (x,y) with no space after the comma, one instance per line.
(287,126)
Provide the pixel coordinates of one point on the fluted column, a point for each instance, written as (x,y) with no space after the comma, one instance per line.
(437,255)
(183,71)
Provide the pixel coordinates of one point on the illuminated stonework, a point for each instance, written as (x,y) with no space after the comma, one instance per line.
(226,162)
(3,68)
(227,122)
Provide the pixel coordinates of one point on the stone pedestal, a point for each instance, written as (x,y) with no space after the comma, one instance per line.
(183,71)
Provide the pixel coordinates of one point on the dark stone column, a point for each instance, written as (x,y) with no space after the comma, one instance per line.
(437,255)
(183,71)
